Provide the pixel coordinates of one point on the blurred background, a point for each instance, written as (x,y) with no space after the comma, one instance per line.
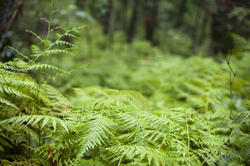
(124,41)
(121,37)
(183,27)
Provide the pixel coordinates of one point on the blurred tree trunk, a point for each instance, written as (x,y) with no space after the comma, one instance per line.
(107,17)
(133,21)
(122,15)
(150,19)
(223,24)
(8,16)
(181,12)
(4,15)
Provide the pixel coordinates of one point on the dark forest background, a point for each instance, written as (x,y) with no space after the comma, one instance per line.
(197,26)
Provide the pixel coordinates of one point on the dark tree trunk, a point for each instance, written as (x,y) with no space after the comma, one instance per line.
(223,25)
(4,17)
(151,19)
(124,13)
(133,20)
(181,12)
(107,17)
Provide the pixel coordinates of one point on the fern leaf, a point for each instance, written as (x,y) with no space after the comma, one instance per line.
(55,52)
(64,43)
(12,91)
(34,119)
(130,121)
(95,132)
(4,101)
(45,67)
(132,152)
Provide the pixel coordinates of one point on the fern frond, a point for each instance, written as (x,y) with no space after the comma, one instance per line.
(64,43)
(52,52)
(21,130)
(45,67)
(133,152)
(34,34)
(35,119)
(14,66)
(4,101)
(95,132)
(6,141)
(13,91)
(60,102)
(35,161)
(130,121)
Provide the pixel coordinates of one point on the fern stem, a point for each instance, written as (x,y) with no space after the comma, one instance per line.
(188,136)
(232,75)
(120,160)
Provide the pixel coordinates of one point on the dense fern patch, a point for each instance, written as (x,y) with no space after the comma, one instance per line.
(171,111)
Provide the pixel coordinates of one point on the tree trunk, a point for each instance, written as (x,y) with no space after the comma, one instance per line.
(4,17)
(151,19)
(122,15)
(133,20)
(107,17)
(223,25)
(181,12)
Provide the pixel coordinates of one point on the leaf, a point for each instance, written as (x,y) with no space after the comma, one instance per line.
(95,133)
(34,119)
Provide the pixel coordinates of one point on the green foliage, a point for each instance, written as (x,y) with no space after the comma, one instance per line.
(197,83)
(117,127)
(131,105)
(31,111)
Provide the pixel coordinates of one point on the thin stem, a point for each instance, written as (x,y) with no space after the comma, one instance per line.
(120,160)
(232,75)
(188,136)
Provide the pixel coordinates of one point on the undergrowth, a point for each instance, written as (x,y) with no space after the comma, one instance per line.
(147,108)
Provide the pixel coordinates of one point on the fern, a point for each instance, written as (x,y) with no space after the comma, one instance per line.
(4,101)
(131,135)
(34,119)
(130,152)
(171,112)
(94,133)
(31,112)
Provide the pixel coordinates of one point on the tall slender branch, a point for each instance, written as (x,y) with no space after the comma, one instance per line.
(232,75)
